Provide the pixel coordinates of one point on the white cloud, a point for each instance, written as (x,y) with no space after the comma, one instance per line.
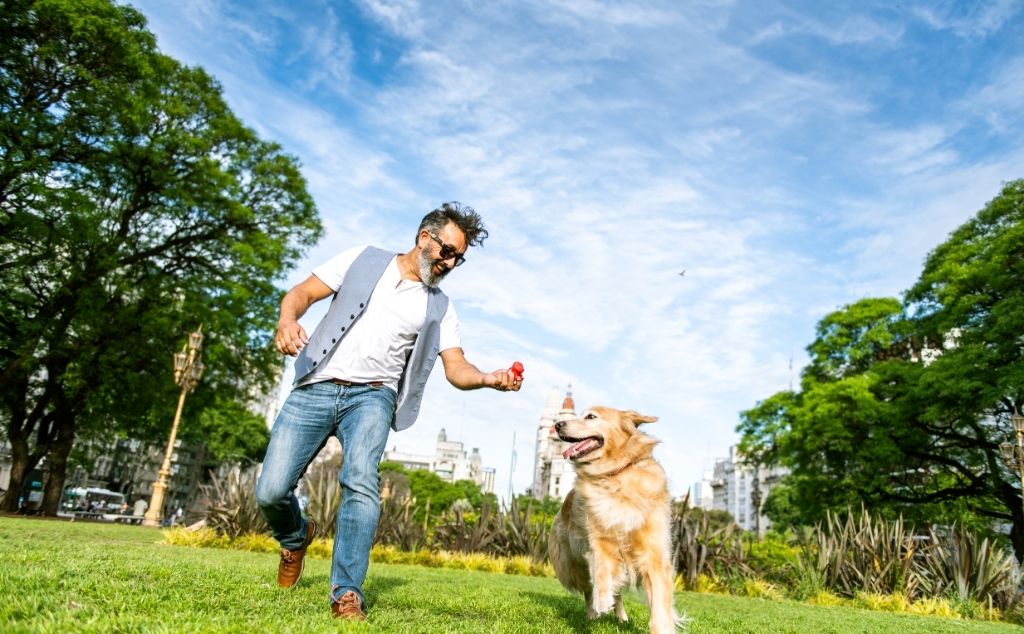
(968,19)
(609,147)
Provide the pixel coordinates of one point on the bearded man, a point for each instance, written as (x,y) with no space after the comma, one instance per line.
(360,374)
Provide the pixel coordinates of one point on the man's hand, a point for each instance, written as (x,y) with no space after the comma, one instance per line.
(505,380)
(291,338)
(465,376)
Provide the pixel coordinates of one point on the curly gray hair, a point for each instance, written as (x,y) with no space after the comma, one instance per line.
(464,217)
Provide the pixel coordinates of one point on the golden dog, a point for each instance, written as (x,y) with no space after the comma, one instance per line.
(614,526)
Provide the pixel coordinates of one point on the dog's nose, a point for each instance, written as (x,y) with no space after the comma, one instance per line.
(559,425)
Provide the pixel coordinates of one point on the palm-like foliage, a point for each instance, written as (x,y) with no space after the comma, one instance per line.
(232,509)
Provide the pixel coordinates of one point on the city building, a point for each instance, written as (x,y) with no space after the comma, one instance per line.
(450,461)
(553,475)
(741,490)
(702,494)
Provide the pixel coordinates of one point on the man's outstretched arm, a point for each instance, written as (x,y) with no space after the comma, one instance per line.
(466,376)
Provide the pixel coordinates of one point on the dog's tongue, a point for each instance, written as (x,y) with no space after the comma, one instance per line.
(578,448)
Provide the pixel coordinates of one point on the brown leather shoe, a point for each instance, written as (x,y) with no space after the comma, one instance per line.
(347,607)
(290,568)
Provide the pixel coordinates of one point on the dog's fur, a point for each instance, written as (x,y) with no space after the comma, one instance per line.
(614,526)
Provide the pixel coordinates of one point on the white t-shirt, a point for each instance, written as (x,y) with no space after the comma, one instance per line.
(378,345)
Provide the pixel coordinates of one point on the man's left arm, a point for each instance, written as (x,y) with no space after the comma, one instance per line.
(466,376)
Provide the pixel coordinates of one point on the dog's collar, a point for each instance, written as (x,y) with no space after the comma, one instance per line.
(612,474)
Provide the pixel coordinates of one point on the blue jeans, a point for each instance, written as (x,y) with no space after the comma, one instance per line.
(360,417)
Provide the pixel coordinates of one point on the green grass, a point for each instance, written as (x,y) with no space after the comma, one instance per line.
(57,576)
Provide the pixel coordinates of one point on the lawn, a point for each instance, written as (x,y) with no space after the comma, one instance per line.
(59,576)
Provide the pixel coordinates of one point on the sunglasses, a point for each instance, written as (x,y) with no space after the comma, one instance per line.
(447,251)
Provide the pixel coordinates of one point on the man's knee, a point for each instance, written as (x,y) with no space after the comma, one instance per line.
(363,482)
(269,493)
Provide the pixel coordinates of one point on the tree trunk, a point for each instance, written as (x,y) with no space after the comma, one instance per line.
(60,448)
(1017,532)
(22,463)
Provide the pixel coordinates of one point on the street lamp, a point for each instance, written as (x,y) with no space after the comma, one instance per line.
(755,498)
(188,369)
(1013,454)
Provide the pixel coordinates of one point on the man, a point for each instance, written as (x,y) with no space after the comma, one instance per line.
(360,374)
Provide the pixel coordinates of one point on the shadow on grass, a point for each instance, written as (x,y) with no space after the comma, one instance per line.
(381,584)
(573,612)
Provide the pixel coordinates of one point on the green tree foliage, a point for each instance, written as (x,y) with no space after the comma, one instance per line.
(133,206)
(780,508)
(426,486)
(231,432)
(904,405)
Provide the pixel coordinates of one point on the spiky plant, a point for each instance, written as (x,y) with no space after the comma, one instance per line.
(397,526)
(524,533)
(701,549)
(323,493)
(966,566)
(468,532)
(232,508)
(854,553)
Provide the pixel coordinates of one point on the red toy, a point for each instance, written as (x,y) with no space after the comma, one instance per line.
(517,370)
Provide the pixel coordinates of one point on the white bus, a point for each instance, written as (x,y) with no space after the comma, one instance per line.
(92,501)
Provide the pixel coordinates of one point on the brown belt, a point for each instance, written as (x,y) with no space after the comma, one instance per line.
(353,384)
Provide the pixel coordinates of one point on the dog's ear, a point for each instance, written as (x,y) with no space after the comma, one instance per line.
(638,418)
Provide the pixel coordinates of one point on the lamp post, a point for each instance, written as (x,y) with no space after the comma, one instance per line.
(755,498)
(1013,454)
(188,369)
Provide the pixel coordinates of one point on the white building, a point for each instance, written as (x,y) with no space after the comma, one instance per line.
(553,475)
(736,486)
(702,494)
(449,461)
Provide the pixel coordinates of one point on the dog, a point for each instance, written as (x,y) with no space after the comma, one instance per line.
(614,526)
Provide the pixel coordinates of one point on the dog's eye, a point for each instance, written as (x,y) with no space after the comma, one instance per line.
(590,416)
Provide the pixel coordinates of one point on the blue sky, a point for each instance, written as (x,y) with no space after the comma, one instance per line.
(792,157)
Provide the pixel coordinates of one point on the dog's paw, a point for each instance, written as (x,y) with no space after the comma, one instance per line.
(603,603)
(620,610)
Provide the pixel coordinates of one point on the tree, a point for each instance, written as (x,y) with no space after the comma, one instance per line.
(133,207)
(969,303)
(904,406)
(780,508)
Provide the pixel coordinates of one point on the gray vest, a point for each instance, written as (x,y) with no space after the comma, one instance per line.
(348,305)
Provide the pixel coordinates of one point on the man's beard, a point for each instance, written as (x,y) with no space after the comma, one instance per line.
(427,274)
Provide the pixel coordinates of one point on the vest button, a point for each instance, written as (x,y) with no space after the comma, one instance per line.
(333,340)
(361,305)
(343,329)
(325,352)
(351,316)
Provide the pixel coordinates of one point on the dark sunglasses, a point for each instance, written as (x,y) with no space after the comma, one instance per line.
(447,251)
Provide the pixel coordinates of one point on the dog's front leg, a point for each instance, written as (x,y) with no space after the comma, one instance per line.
(604,569)
(620,610)
(658,587)
(588,598)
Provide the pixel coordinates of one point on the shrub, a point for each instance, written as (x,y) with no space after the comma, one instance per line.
(321,548)
(934,606)
(759,589)
(256,542)
(703,550)
(202,537)
(232,509)
(882,602)
(323,493)
(967,567)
